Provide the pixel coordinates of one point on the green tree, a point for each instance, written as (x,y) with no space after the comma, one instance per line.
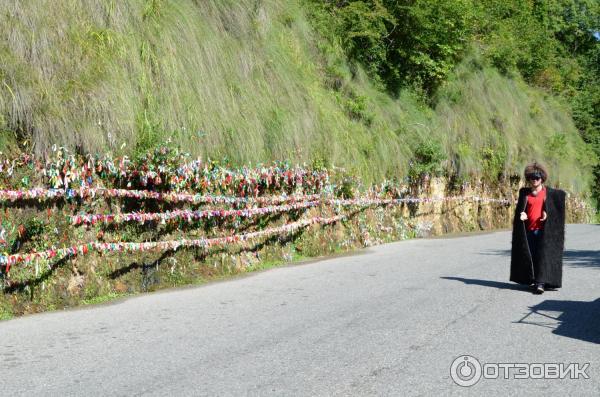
(403,43)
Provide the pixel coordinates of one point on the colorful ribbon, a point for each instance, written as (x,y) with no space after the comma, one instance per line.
(83,249)
(42,194)
(187,215)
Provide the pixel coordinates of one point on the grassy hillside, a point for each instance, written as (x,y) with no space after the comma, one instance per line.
(250,80)
(494,123)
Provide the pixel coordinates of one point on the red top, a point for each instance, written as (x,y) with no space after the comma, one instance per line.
(534,210)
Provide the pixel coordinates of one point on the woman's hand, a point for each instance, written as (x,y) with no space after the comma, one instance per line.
(544,216)
(523,216)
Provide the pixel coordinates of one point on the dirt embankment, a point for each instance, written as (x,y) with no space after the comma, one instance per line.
(97,277)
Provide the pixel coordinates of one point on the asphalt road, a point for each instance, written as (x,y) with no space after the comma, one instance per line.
(389,320)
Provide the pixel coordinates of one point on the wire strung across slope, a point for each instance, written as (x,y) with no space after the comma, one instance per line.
(188,215)
(83,249)
(43,194)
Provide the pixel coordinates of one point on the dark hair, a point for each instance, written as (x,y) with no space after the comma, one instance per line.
(535,168)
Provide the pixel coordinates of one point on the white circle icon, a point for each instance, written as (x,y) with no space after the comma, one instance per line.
(465,371)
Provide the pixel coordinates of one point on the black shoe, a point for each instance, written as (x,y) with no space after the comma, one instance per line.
(539,289)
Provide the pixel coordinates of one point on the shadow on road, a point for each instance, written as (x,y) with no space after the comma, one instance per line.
(489,283)
(574,258)
(575,319)
(496,252)
(582,258)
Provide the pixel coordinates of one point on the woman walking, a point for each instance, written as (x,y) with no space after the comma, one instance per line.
(538,233)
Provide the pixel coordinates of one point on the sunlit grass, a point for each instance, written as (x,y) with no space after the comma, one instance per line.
(250,81)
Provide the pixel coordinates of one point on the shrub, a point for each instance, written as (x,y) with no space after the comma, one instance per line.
(427,160)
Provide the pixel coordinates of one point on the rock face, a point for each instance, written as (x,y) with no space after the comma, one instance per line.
(456,208)
(466,208)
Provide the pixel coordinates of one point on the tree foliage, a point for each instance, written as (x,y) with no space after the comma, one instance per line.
(406,42)
(552,44)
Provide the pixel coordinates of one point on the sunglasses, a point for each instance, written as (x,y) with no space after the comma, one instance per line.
(533,177)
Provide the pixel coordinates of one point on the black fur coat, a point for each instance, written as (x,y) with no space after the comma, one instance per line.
(552,245)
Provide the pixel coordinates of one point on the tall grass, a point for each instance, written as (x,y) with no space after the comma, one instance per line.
(493,124)
(250,80)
